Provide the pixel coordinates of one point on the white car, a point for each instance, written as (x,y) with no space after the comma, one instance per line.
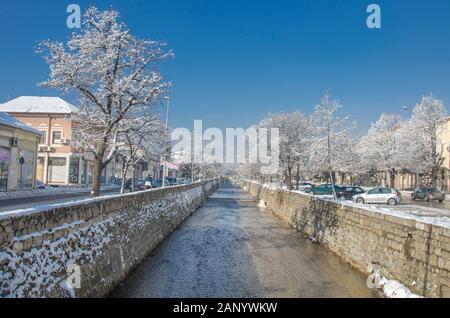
(389,196)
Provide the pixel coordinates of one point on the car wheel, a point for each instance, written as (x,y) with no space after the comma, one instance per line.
(413,197)
(360,200)
(392,202)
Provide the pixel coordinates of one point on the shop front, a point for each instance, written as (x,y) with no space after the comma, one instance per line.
(5,159)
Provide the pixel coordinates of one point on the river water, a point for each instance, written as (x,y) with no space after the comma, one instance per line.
(232,248)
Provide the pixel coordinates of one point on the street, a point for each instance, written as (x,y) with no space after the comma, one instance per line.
(29,202)
(232,248)
(406,200)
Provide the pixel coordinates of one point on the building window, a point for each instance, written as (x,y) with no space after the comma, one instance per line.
(43,138)
(74,170)
(40,169)
(26,170)
(3,177)
(5,157)
(83,171)
(56,137)
(57,170)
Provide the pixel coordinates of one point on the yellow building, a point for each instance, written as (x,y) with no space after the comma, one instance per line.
(406,179)
(18,154)
(57,163)
(444,175)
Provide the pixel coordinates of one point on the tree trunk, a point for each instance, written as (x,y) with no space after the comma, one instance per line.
(391,179)
(97,177)
(297,183)
(133,177)
(124,177)
(342,177)
(289,179)
(434,178)
(332,184)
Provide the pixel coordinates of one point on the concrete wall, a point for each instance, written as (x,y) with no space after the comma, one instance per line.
(414,253)
(94,243)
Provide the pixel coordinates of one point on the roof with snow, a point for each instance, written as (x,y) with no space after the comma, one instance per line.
(35,104)
(12,122)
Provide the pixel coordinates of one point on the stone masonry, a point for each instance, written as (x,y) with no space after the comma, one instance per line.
(414,253)
(86,249)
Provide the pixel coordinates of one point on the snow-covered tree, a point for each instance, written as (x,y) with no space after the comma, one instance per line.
(331,149)
(424,131)
(381,147)
(295,137)
(350,164)
(115,75)
(138,138)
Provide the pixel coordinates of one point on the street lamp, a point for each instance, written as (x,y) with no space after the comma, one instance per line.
(165,172)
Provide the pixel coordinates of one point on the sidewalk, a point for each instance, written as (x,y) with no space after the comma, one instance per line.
(50,191)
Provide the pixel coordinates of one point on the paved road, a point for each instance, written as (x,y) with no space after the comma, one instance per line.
(406,199)
(29,202)
(232,248)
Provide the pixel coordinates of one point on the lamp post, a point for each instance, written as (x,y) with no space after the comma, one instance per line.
(165,172)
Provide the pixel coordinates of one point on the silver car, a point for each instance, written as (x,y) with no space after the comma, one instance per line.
(389,196)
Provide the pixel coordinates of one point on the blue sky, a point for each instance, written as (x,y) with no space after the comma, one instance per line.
(237,60)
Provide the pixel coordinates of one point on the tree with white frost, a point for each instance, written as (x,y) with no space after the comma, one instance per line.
(331,143)
(295,137)
(114,73)
(381,146)
(138,138)
(425,130)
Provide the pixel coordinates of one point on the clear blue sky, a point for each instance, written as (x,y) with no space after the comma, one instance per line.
(237,60)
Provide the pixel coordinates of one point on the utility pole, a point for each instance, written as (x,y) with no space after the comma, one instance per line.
(165,172)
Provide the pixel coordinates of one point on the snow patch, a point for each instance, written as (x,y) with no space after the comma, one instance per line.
(262,204)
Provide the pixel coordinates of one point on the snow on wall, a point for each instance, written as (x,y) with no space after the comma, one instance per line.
(104,239)
(29,273)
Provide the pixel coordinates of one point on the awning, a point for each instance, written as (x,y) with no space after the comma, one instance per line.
(171,165)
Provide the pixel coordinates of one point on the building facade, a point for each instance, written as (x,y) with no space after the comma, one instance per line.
(444,174)
(405,179)
(57,163)
(18,154)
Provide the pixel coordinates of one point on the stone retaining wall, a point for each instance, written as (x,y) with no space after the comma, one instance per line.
(414,253)
(86,249)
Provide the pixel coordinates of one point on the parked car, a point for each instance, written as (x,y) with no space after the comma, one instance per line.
(171,181)
(181,181)
(428,194)
(157,183)
(304,186)
(347,192)
(389,196)
(323,189)
(139,185)
(148,183)
(40,185)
